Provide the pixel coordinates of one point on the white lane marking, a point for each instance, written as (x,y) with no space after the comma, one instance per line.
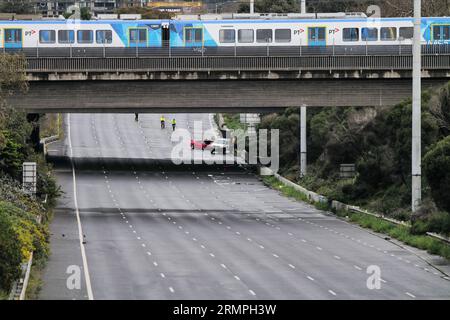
(310,278)
(252,292)
(357,267)
(155,263)
(262,247)
(237,278)
(292,266)
(223,266)
(337,257)
(410,294)
(202,246)
(332,292)
(143,245)
(171,289)
(149,253)
(212,255)
(77,211)
(162,275)
(319,248)
(275,255)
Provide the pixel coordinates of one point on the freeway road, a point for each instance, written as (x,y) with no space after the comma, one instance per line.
(151,231)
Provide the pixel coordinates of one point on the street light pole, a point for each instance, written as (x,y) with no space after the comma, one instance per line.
(303,6)
(416,172)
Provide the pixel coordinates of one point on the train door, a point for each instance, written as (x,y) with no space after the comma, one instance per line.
(12,38)
(317,36)
(441,33)
(165,35)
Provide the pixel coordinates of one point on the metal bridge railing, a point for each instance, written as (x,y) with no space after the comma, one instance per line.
(229,51)
(223,63)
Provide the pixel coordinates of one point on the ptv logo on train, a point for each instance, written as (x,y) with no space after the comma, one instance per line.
(299,31)
(30,33)
(333,31)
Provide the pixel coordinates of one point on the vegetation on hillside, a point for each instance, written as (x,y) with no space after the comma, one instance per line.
(20,231)
(378,142)
(389,8)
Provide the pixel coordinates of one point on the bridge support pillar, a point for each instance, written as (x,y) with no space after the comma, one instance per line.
(33,118)
(303,163)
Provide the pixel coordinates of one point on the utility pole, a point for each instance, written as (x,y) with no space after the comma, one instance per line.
(303,6)
(416,156)
(303,162)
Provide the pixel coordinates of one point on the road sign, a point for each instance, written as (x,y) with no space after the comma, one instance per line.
(29,178)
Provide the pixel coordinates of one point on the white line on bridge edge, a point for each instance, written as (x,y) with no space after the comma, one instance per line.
(77,211)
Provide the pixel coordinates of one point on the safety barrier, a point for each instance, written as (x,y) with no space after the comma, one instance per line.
(192,64)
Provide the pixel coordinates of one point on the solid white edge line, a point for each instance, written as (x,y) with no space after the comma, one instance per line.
(77,211)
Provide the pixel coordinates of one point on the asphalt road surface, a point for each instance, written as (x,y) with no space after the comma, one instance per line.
(150,230)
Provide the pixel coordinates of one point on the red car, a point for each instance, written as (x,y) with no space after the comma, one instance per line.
(201,144)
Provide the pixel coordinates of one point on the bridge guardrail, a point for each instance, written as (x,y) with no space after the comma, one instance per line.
(248,63)
(229,51)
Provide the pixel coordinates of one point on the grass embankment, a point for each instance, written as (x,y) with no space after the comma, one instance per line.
(51,125)
(233,121)
(399,232)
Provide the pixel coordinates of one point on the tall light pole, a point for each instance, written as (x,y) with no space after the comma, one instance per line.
(303,6)
(303,162)
(416,172)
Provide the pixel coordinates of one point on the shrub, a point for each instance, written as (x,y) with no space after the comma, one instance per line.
(20,234)
(436,164)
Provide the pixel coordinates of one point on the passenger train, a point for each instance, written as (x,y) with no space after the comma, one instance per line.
(176,33)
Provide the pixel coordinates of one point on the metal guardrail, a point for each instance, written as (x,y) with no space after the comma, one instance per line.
(224,51)
(192,64)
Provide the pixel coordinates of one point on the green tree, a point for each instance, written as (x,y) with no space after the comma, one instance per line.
(85,14)
(436,164)
(272,6)
(17,6)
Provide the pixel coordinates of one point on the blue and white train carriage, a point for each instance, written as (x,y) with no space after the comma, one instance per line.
(348,31)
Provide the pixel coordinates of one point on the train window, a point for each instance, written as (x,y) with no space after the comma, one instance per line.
(441,33)
(283,35)
(264,35)
(246,36)
(406,33)
(350,34)
(47,36)
(13,35)
(66,36)
(227,36)
(85,36)
(104,36)
(138,35)
(388,34)
(369,34)
(193,35)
